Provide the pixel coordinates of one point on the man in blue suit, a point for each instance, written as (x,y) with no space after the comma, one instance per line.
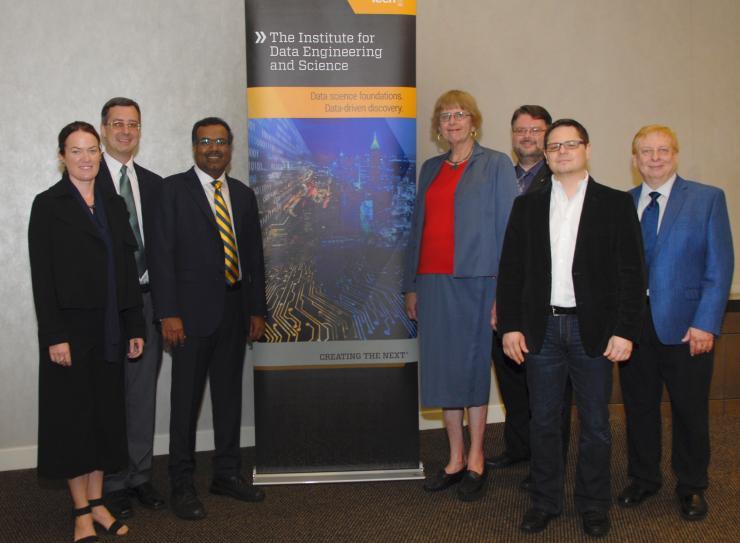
(689,257)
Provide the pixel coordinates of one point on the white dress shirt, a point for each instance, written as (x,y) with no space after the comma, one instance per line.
(114,167)
(665,193)
(210,190)
(565,216)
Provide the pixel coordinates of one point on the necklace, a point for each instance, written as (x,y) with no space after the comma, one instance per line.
(455,164)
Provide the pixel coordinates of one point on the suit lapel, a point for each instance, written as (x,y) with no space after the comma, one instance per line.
(541,221)
(199,196)
(675,203)
(589,216)
(236,211)
(70,210)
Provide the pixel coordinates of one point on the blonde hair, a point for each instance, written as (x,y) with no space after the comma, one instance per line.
(651,128)
(461,99)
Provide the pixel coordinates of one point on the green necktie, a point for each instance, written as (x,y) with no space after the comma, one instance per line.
(133,219)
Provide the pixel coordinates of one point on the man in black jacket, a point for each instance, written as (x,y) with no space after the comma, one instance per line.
(528,126)
(209,292)
(570,302)
(120,128)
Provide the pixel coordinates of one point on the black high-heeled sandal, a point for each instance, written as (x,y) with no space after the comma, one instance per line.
(87,510)
(114,526)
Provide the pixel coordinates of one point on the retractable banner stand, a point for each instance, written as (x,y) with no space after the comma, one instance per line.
(331,104)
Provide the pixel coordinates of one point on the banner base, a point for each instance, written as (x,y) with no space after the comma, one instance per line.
(338,476)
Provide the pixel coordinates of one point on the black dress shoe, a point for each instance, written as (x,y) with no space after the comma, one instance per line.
(527,485)
(596,523)
(119,504)
(186,505)
(693,506)
(536,520)
(442,480)
(503,461)
(472,486)
(147,496)
(634,495)
(236,487)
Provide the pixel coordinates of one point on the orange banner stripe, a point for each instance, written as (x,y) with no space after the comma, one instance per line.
(383,7)
(330,102)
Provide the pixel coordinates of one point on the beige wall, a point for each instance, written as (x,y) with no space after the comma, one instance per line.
(612,64)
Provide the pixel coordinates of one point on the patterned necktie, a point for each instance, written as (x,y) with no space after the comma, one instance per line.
(231,256)
(127,194)
(649,223)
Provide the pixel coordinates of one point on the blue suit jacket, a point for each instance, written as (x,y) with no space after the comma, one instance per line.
(691,270)
(483,200)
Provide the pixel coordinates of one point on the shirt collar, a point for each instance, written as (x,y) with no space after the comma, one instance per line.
(206,179)
(115,166)
(664,189)
(581,185)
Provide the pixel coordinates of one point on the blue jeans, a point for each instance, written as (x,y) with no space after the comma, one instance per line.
(562,356)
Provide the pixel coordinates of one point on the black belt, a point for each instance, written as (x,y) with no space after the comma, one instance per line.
(562,310)
(235,286)
(145,288)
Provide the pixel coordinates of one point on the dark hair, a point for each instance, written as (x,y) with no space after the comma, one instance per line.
(118,101)
(75,127)
(536,112)
(567,122)
(210,121)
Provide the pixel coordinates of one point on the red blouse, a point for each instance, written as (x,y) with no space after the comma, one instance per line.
(437,253)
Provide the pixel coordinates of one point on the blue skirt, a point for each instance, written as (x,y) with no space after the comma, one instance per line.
(454,316)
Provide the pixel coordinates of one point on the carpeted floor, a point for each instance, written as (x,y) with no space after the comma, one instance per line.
(37,511)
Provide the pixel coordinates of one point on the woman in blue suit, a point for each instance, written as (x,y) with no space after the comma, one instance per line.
(462,206)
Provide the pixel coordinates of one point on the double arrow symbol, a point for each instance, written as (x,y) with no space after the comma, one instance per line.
(261,37)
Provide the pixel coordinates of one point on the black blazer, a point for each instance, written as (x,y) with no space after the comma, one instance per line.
(187,274)
(608,269)
(69,263)
(150,189)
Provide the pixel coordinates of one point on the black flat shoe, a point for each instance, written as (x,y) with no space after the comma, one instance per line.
(596,523)
(693,506)
(473,486)
(114,526)
(186,505)
(503,461)
(634,495)
(119,504)
(237,488)
(442,480)
(536,520)
(87,510)
(147,496)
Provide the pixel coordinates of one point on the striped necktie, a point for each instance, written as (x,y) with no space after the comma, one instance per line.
(127,194)
(231,256)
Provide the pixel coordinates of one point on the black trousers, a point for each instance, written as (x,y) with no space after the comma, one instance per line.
(687,379)
(512,385)
(220,357)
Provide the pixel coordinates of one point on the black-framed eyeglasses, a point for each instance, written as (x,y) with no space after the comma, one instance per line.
(570,145)
(458,115)
(218,141)
(120,125)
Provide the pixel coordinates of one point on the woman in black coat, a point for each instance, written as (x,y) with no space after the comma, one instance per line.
(88,306)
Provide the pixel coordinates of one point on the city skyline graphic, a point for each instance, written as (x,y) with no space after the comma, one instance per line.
(336,198)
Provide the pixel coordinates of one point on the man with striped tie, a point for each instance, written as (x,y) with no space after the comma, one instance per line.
(208,286)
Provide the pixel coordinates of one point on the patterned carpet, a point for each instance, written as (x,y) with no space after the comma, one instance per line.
(38,511)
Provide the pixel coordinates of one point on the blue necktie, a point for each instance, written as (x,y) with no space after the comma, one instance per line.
(649,225)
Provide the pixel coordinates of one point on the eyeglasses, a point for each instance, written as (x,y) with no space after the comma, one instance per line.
(648,152)
(207,141)
(522,130)
(570,145)
(446,116)
(120,125)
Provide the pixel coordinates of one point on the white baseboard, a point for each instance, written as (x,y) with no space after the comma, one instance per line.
(25,457)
